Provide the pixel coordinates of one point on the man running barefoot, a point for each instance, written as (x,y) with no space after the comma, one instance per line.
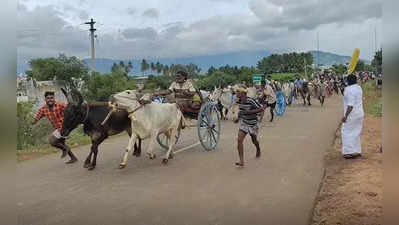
(54,111)
(248,116)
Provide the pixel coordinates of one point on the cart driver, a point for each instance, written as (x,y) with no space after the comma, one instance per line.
(184,92)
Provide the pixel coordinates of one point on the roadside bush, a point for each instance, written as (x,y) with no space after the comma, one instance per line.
(28,135)
(372,99)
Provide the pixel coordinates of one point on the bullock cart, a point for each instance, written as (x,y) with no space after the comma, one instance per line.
(207,125)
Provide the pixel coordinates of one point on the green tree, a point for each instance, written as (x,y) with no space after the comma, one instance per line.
(377,61)
(165,70)
(211,70)
(101,86)
(339,69)
(121,67)
(129,67)
(158,67)
(152,66)
(69,69)
(360,66)
(285,63)
(144,66)
(115,67)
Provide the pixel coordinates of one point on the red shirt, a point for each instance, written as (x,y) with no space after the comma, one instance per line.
(55,116)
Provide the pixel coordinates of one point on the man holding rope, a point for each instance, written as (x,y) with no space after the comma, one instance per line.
(184,91)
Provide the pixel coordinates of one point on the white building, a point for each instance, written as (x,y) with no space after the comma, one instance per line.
(33,91)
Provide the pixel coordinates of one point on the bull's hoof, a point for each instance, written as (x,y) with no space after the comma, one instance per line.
(171,156)
(64,153)
(73,160)
(151,156)
(91,167)
(122,166)
(165,161)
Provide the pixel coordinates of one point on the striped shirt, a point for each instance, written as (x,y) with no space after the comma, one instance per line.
(249,119)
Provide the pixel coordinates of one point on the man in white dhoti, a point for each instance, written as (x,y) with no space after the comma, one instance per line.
(352,122)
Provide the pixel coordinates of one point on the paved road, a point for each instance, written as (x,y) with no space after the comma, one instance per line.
(196,187)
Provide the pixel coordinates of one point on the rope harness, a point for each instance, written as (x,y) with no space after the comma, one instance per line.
(115,108)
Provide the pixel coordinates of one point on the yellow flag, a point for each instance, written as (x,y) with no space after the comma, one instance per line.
(354,60)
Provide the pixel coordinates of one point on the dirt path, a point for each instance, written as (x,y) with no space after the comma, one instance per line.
(352,190)
(196,187)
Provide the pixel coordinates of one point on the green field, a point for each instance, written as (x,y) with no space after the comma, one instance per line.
(372,99)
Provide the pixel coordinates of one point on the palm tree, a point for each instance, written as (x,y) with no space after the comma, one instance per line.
(158,67)
(152,66)
(165,70)
(115,67)
(144,66)
(128,68)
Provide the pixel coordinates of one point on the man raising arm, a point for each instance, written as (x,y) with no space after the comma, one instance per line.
(54,111)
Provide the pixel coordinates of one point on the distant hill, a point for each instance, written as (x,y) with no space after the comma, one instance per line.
(243,58)
(328,59)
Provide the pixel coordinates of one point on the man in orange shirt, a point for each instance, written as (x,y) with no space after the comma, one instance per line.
(54,111)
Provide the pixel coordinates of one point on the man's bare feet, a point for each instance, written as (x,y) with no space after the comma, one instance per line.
(239,165)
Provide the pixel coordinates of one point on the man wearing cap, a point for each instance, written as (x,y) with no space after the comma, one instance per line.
(54,111)
(248,117)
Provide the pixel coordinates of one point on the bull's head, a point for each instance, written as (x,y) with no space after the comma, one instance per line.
(127,100)
(216,94)
(74,113)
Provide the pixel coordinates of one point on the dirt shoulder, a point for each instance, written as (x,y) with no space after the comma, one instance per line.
(351,191)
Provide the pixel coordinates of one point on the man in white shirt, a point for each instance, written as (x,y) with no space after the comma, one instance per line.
(184,92)
(352,122)
(268,98)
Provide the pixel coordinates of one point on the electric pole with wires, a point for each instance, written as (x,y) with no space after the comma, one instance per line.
(92,36)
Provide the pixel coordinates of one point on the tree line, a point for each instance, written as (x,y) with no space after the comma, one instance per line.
(286,63)
(98,86)
(155,67)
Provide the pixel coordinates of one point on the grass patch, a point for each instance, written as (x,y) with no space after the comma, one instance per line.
(372,99)
(77,138)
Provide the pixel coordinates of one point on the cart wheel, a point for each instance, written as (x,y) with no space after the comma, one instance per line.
(163,140)
(280,105)
(208,125)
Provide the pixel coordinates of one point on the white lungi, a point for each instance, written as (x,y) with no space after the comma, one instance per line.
(352,128)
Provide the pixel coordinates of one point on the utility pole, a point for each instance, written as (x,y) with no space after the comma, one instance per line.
(91,23)
(318,50)
(375,39)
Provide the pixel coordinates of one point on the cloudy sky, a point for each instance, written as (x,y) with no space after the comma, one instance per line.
(183,28)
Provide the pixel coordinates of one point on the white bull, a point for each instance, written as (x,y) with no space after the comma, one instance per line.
(252,92)
(225,97)
(148,121)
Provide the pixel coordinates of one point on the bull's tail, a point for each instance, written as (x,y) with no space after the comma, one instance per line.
(181,119)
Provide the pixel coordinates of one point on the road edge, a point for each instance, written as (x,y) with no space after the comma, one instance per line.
(323,176)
